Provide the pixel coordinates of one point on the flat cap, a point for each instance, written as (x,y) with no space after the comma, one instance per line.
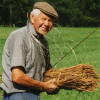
(46,8)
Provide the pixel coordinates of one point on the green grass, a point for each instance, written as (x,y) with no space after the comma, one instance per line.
(4,33)
(65,39)
(86,52)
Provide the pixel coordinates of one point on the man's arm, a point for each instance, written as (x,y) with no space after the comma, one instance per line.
(19,77)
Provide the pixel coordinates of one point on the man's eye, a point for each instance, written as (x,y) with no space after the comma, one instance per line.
(43,19)
(50,20)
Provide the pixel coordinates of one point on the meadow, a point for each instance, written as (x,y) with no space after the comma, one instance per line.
(61,40)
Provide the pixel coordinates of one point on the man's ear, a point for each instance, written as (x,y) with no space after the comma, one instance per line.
(32,18)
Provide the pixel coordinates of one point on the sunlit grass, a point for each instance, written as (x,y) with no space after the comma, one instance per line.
(86,52)
(60,42)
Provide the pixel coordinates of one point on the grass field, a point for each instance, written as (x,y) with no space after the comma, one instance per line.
(61,40)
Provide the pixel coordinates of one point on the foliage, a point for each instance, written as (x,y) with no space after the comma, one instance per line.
(77,12)
(15,12)
(71,12)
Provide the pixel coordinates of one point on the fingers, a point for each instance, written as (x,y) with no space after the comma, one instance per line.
(50,86)
(52,80)
(53,91)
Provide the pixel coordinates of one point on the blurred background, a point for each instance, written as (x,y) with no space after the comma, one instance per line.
(72,13)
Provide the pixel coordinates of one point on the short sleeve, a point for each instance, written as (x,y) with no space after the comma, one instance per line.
(17,51)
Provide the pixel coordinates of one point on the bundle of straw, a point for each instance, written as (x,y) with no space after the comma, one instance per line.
(81,77)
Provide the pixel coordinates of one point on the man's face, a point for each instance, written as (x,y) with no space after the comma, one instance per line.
(43,23)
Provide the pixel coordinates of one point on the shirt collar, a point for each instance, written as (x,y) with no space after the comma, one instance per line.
(33,31)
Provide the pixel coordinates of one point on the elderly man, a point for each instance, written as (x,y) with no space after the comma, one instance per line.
(26,57)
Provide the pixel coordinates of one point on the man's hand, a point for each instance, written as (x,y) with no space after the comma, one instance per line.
(19,77)
(50,88)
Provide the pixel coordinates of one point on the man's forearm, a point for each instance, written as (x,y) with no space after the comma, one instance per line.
(19,77)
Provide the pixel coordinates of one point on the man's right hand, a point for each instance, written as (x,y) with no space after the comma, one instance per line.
(50,87)
(19,77)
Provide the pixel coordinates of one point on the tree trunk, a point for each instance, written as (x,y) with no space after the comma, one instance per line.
(10,15)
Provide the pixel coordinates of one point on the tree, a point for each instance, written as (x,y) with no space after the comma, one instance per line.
(16,10)
(77,12)
(71,12)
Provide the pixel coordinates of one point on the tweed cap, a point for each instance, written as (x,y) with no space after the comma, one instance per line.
(46,8)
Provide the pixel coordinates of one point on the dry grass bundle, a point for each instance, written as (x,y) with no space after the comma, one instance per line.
(79,77)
